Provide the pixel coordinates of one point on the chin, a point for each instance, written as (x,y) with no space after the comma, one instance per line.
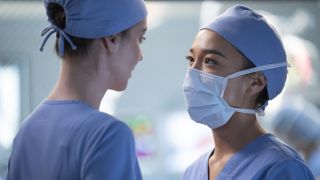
(120,86)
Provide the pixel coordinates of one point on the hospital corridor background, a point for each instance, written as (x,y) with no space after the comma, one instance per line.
(167,141)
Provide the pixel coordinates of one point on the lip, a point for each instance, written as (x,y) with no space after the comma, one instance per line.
(132,71)
(130,74)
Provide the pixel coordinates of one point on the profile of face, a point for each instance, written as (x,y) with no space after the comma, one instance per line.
(211,53)
(126,53)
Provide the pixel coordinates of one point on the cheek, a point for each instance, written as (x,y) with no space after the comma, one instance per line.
(133,52)
(234,93)
(128,55)
(137,52)
(129,58)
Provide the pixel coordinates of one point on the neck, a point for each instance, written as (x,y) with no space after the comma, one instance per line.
(309,150)
(240,130)
(79,82)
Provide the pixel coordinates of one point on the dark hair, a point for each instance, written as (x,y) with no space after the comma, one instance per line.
(57,14)
(263,96)
(58,18)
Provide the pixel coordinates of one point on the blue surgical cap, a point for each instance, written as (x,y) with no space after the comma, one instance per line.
(251,34)
(298,119)
(95,18)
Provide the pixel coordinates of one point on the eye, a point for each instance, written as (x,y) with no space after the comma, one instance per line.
(142,39)
(190,59)
(210,62)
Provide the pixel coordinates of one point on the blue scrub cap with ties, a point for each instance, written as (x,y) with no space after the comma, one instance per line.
(94,19)
(250,33)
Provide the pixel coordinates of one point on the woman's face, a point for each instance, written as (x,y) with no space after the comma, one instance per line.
(128,54)
(213,54)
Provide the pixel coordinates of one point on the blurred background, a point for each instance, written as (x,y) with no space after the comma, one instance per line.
(167,141)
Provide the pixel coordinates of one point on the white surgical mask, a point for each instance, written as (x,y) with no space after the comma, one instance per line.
(203,94)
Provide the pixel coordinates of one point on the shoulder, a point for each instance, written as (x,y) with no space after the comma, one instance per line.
(110,151)
(198,169)
(97,121)
(108,141)
(109,127)
(284,162)
(289,169)
(275,150)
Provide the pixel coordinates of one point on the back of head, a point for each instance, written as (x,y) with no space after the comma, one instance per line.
(78,22)
(58,18)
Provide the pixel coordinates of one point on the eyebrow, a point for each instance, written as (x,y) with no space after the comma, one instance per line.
(211,51)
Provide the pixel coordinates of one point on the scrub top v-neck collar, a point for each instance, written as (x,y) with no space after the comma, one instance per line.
(233,162)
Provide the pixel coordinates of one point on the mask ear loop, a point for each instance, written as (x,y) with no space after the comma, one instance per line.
(260,110)
(256,69)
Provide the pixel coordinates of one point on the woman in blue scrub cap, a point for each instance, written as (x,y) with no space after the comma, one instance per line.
(66,137)
(236,64)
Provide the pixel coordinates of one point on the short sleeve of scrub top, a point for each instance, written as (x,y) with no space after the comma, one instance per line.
(113,157)
(288,169)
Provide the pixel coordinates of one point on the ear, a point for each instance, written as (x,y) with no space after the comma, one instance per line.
(257,82)
(111,43)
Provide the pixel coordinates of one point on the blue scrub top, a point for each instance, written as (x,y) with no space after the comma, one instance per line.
(314,162)
(69,140)
(264,158)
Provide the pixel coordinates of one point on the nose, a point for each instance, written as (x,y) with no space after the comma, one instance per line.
(197,64)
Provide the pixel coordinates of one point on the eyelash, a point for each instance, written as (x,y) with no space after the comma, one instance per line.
(206,60)
(189,59)
(142,39)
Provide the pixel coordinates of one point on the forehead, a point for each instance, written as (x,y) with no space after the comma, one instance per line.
(210,40)
(207,39)
(140,27)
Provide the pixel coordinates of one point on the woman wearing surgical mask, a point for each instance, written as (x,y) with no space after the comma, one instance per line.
(67,137)
(236,64)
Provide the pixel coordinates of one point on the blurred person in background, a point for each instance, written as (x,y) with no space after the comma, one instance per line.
(66,137)
(298,124)
(3,161)
(237,63)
